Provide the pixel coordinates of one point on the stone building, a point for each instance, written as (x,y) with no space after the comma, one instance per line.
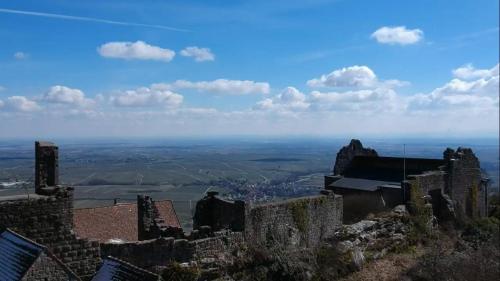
(26,260)
(370,183)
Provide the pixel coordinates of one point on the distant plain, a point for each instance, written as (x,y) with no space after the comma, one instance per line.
(182,170)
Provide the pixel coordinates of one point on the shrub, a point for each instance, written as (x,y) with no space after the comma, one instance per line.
(176,272)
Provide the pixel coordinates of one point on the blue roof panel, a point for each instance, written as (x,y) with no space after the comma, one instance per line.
(17,255)
(117,270)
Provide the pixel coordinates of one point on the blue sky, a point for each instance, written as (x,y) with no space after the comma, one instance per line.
(175,68)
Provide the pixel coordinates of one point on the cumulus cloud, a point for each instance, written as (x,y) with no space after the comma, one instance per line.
(20,55)
(380,99)
(199,54)
(290,99)
(147,97)
(397,35)
(65,95)
(21,103)
(468,72)
(135,50)
(219,86)
(353,77)
(479,94)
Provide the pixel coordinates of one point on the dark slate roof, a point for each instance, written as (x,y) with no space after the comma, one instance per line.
(118,270)
(389,168)
(117,222)
(361,184)
(17,255)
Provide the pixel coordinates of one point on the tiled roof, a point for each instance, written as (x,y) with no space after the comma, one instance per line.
(17,255)
(117,270)
(117,222)
(167,212)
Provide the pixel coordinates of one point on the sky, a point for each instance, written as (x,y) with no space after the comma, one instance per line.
(342,68)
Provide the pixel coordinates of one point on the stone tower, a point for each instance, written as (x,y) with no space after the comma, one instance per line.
(46,166)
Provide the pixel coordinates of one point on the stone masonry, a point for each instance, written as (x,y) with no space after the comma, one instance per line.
(47,220)
(347,153)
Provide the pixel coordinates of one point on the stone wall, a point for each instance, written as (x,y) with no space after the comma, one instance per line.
(219,214)
(150,223)
(46,165)
(159,252)
(464,182)
(45,268)
(48,220)
(347,153)
(357,204)
(301,222)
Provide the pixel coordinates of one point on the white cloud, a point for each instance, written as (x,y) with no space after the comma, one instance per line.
(20,55)
(147,97)
(21,103)
(397,35)
(1,103)
(220,86)
(380,99)
(135,50)
(479,94)
(290,99)
(353,77)
(64,95)
(199,54)
(468,72)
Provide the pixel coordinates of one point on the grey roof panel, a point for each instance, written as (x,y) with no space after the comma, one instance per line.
(17,255)
(360,184)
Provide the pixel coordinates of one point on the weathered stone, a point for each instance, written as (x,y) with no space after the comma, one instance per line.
(347,153)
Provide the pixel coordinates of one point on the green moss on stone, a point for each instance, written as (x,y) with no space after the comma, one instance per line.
(300,214)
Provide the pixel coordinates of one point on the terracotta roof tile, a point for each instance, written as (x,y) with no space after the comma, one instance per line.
(167,212)
(118,221)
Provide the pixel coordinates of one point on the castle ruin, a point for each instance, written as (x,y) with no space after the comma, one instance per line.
(362,182)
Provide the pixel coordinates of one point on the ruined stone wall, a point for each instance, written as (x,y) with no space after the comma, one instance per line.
(162,251)
(45,268)
(219,214)
(348,152)
(432,185)
(301,222)
(46,165)
(48,220)
(357,204)
(150,223)
(464,182)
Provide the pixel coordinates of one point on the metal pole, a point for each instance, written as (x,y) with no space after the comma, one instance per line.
(404,161)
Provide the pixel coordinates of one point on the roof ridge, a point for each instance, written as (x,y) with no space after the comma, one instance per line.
(42,247)
(102,207)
